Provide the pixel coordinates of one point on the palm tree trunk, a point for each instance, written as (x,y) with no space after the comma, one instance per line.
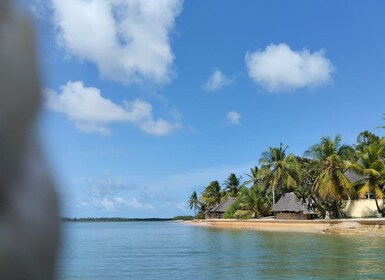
(273,196)
(378,207)
(338,210)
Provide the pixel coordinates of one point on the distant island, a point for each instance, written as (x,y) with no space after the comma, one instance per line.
(120,219)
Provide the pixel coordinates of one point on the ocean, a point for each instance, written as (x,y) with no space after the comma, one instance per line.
(174,250)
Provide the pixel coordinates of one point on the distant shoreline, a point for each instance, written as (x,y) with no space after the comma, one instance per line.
(122,219)
(116,219)
(373,226)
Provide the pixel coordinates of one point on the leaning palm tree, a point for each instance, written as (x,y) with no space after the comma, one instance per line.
(278,171)
(194,203)
(332,182)
(254,178)
(372,169)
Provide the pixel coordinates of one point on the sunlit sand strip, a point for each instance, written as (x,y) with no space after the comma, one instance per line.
(343,226)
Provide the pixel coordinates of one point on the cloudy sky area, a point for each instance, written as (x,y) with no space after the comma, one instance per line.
(146,101)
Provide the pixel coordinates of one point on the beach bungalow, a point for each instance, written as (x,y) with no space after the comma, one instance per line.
(290,207)
(218,211)
(363,207)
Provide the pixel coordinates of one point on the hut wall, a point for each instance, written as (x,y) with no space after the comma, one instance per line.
(291,216)
(215,215)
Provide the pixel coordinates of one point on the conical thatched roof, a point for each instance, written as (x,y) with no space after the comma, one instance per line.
(222,207)
(289,202)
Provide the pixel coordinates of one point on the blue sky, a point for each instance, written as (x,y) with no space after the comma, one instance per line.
(146,101)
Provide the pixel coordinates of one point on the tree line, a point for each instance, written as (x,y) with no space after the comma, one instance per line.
(319,178)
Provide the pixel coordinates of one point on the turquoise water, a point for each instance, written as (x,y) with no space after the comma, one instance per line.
(170,250)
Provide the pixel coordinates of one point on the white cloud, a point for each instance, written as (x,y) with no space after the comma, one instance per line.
(158,197)
(278,68)
(129,41)
(91,112)
(233,117)
(118,203)
(217,81)
(109,193)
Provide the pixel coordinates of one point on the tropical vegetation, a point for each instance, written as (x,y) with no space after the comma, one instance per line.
(319,176)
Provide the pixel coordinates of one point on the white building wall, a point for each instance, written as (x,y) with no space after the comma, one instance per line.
(361,208)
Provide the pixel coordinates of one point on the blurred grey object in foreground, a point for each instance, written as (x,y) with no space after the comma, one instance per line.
(29,228)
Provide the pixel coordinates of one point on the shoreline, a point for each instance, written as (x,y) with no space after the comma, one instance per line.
(369,226)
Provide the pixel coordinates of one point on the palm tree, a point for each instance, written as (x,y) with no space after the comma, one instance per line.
(372,168)
(194,203)
(278,171)
(332,182)
(327,147)
(382,141)
(212,194)
(364,139)
(254,178)
(232,185)
(382,125)
(254,201)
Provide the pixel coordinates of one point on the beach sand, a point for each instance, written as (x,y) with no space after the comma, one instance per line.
(372,226)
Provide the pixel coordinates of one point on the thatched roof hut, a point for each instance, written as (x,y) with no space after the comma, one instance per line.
(290,207)
(218,211)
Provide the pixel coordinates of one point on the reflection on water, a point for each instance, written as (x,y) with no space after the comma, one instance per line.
(159,250)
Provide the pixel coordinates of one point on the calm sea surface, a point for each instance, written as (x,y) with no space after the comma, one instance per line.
(170,250)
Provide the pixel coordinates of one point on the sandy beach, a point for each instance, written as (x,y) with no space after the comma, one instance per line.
(373,226)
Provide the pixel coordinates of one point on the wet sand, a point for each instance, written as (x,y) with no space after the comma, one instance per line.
(372,226)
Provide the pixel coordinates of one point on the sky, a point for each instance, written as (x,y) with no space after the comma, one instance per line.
(146,101)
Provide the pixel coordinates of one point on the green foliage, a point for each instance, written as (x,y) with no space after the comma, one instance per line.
(200,216)
(365,139)
(318,178)
(211,194)
(329,208)
(250,203)
(331,183)
(279,172)
(229,214)
(232,185)
(254,201)
(183,218)
(194,203)
(371,167)
(242,214)
(254,178)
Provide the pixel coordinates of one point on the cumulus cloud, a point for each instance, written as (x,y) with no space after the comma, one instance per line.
(129,41)
(91,112)
(217,81)
(233,117)
(279,68)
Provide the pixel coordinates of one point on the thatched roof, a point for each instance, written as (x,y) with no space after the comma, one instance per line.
(222,207)
(353,176)
(289,202)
